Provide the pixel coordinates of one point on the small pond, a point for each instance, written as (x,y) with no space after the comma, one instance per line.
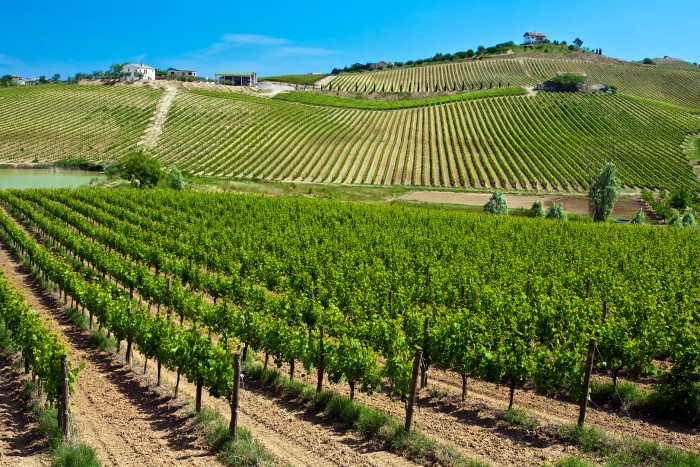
(45,178)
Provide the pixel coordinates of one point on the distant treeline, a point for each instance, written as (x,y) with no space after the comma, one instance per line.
(481,51)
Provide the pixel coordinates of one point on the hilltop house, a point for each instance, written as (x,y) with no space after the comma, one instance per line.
(133,71)
(237,78)
(534,37)
(173,72)
(380,64)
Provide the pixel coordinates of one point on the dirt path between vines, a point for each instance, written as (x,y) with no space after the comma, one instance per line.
(21,443)
(112,410)
(155,428)
(152,133)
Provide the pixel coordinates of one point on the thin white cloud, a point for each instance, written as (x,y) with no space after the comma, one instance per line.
(253,39)
(304,51)
(6,60)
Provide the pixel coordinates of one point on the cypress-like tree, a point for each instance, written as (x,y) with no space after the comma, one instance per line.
(603,193)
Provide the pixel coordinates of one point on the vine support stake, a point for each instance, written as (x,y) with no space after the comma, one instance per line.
(319,382)
(410,406)
(586,382)
(233,426)
(424,366)
(64,397)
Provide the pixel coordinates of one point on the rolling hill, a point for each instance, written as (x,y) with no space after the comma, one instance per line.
(677,85)
(537,141)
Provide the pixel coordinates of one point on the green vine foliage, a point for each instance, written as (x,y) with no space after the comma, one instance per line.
(39,346)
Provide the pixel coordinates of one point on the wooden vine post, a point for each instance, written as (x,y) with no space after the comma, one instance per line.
(127,357)
(424,366)
(586,382)
(233,426)
(319,381)
(64,398)
(410,405)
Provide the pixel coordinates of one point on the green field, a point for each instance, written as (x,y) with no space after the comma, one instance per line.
(677,85)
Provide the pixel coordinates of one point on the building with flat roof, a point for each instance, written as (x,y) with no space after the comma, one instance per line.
(172,72)
(237,78)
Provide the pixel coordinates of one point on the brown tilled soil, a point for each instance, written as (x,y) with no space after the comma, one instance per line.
(474,426)
(112,410)
(21,443)
(626,206)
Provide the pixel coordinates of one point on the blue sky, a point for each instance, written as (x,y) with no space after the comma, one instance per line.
(293,37)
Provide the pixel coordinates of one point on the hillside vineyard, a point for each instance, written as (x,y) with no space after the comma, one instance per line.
(265,274)
(543,142)
(674,85)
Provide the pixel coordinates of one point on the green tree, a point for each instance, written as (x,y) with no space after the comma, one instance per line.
(496,205)
(56,77)
(175,179)
(556,211)
(7,81)
(603,193)
(140,169)
(638,218)
(568,82)
(648,61)
(681,197)
(578,42)
(537,209)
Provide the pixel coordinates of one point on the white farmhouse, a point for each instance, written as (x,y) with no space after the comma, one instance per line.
(534,37)
(134,71)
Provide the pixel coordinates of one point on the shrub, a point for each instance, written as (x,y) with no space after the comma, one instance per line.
(676,220)
(638,218)
(496,205)
(689,219)
(556,211)
(537,210)
(175,179)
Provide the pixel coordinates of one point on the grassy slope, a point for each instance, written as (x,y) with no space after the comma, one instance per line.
(360,102)
(307,79)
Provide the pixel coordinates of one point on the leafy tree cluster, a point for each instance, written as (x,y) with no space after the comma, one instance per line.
(438,57)
(113,72)
(140,169)
(677,207)
(567,82)
(7,81)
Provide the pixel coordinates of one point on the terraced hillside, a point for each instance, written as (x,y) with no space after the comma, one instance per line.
(513,142)
(680,86)
(47,123)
